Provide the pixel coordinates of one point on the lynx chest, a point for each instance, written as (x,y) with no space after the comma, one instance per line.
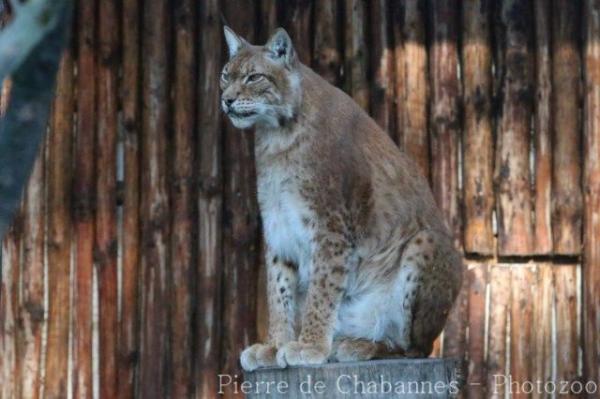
(284,212)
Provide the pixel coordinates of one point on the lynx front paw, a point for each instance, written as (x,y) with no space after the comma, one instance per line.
(258,355)
(296,354)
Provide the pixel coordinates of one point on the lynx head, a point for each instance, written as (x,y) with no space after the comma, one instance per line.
(260,84)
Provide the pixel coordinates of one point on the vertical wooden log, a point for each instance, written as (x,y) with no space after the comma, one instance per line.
(327,58)
(499,309)
(414,112)
(154,357)
(515,233)
(9,311)
(542,124)
(397,13)
(566,159)
(477,278)
(241,234)
(542,326)
(478,147)
(565,277)
(444,118)
(521,315)
(591,268)
(382,65)
(210,201)
(412,81)
(267,21)
(455,338)
(182,190)
(32,290)
(130,91)
(297,19)
(355,55)
(106,245)
(8,263)
(445,124)
(59,233)
(8,268)
(83,193)
(498,43)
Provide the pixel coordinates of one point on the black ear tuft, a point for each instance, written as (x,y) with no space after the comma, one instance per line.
(280,46)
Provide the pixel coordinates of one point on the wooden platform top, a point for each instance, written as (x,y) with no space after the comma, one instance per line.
(406,378)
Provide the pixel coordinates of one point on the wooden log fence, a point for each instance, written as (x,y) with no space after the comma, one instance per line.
(155,340)
(133,268)
(130,241)
(83,195)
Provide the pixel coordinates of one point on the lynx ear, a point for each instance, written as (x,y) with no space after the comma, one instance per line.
(234,42)
(280,46)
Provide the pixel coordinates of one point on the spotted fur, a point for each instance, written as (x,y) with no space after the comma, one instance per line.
(360,263)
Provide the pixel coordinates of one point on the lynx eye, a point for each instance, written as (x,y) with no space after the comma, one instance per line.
(255,77)
(224,77)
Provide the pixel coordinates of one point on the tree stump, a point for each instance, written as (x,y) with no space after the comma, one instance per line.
(406,378)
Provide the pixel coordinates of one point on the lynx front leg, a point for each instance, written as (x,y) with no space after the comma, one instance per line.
(281,292)
(326,287)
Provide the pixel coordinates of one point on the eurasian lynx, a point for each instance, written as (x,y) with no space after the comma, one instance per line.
(359,261)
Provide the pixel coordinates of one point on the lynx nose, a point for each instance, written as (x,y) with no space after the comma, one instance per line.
(228,101)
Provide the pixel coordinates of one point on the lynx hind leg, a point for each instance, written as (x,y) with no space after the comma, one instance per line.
(431,275)
(358,349)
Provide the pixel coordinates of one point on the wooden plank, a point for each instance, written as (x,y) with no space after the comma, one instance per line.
(182,190)
(83,194)
(565,277)
(59,233)
(269,21)
(355,52)
(298,22)
(521,337)
(542,126)
(515,233)
(327,59)
(31,301)
(268,17)
(406,378)
(543,302)
(591,232)
(9,312)
(240,233)
(476,279)
(397,13)
(455,332)
(444,119)
(6,257)
(154,212)
(444,124)
(106,245)
(478,148)
(130,246)
(498,50)
(412,79)
(499,309)
(381,65)
(210,201)
(566,157)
